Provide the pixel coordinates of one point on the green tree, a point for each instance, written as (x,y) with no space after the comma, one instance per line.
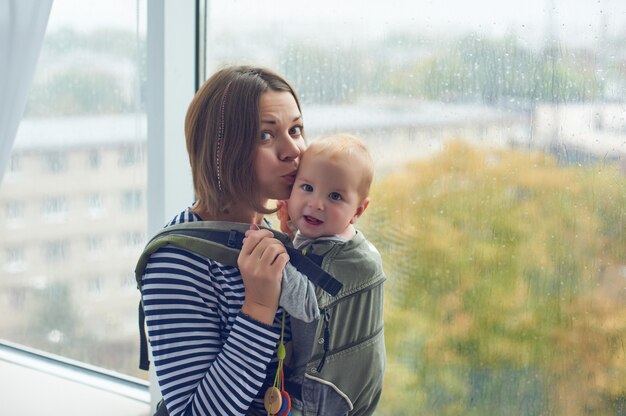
(88,73)
(77,91)
(323,75)
(54,321)
(475,68)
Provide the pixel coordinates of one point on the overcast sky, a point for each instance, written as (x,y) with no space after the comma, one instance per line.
(577,20)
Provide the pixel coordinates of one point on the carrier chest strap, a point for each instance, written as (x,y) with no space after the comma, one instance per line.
(234,239)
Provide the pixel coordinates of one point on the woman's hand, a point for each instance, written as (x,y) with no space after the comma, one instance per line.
(261,262)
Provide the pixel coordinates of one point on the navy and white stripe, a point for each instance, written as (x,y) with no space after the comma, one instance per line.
(210,359)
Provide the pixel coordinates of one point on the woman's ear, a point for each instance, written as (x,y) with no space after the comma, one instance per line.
(360,210)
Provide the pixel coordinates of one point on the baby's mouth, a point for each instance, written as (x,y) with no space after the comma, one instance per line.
(312,221)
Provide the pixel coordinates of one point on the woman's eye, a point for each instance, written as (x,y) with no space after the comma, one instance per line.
(307,188)
(335,196)
(295,131)
(265,136)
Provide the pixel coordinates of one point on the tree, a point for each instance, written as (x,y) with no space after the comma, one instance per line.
(475,69)
(498,263)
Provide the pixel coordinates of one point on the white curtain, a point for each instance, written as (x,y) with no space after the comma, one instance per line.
(22,27)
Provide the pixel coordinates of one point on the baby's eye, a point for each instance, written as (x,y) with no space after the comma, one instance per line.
(296,131)
(335,196)
(266,135)
(307,188)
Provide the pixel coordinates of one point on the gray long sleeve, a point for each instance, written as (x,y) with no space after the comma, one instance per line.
(297,296)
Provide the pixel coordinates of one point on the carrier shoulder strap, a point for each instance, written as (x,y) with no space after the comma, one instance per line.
(220,241)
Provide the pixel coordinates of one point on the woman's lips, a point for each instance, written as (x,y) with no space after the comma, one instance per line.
(291,177)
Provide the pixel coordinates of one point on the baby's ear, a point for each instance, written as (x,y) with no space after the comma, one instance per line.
(360,210)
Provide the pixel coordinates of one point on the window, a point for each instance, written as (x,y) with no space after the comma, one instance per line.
(133,241)
(14,211)
(132,200)
(56,251)
(86,103)
(95,284)
(498,205)
(95,207)
(54,208)
(95,245)
(94,159)
(55,162)
(129,156)
(14,164)
(15,259)
(498,201)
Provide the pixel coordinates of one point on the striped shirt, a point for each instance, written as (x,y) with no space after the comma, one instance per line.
(210,359)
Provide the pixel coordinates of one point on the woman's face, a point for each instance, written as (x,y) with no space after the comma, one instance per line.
(280,144)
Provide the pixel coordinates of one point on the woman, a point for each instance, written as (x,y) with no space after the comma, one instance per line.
(214,329)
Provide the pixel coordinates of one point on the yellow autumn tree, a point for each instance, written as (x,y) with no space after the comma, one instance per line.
(505,290)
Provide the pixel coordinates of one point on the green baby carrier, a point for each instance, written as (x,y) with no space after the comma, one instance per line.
(221,241)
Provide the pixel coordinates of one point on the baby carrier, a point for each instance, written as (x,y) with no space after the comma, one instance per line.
(340,359)
(221,241)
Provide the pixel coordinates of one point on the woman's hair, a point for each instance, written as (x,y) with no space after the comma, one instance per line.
(222,132)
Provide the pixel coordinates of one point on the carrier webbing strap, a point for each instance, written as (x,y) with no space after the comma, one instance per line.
(234,240)
(144,361)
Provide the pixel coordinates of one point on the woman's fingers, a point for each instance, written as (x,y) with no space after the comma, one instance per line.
(269,249)
(252,239)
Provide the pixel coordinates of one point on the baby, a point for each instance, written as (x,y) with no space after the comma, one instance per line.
(330,193)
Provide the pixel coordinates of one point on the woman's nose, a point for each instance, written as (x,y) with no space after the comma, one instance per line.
(291,149)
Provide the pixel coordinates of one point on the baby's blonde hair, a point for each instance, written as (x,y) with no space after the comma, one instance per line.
(349,149)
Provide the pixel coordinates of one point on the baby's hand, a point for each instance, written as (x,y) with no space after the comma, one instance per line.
(286,225)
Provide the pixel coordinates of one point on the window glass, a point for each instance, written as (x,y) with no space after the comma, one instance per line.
(498,132)
(66,177)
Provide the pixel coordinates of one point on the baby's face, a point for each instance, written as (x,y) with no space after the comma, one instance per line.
(325,198)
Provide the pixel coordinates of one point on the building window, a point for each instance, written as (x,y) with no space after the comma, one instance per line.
(128,282)
(95,245)
(133,239)
(132,200)
(55,162)
(94,159)
(56,251)
(129,156)
(14,164)
(14,259)
(55,208)
(95,284)
(14,211)
(17,295)
(95,207)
